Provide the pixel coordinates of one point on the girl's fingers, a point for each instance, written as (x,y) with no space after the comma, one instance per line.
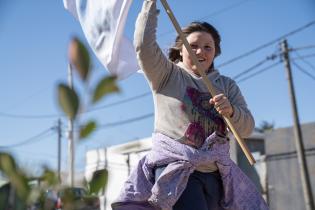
(218,97)
(222,105)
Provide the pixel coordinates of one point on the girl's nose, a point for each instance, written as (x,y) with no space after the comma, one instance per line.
(198,50)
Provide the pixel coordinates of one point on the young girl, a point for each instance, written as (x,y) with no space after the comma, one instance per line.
(190,136)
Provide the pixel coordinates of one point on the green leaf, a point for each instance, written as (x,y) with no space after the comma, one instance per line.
(50,177)
(17,179)
(7,164)
(87,129)
(68,198)
(20,182)
(99,181)
(68,100)
(106,86)
(79,57)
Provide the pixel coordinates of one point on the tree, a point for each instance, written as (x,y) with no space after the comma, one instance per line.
(265,126)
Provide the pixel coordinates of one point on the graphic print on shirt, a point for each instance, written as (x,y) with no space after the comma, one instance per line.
(204,118)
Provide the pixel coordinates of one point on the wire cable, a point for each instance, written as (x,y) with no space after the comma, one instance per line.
(259,72)
(303,56)
(232,6)
(30,140)
(120,102)
(272,57)
(305,61)
(91,110)
(30,116)
(302,48)
(49,156)
(303,70)
(27,98)
(131,120)
(220,11)
(267,44)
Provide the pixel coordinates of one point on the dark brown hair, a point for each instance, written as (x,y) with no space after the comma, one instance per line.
(174,52)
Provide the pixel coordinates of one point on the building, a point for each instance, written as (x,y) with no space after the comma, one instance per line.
(283,172)
(257,172)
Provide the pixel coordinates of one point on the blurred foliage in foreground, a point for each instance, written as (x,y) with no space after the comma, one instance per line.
(23,191)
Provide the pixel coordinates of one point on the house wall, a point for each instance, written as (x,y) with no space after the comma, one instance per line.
(283,172)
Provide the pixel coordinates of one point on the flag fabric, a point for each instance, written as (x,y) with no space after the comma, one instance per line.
(70,5)
(103,23)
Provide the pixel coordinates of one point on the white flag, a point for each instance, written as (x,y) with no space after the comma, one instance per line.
(70,5)
(103,23)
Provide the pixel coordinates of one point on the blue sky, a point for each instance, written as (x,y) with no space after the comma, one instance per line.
(33,59)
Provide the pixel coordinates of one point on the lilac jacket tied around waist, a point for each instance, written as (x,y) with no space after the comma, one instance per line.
(141,190)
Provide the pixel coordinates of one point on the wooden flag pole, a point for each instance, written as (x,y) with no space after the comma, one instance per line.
(207,82)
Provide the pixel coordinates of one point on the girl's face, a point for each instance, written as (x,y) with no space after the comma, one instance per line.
(203,46)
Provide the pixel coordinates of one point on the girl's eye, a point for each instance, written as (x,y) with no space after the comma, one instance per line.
(194,46)
(208,48)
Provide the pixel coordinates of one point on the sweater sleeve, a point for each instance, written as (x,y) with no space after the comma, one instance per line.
(152,61)
(242,118)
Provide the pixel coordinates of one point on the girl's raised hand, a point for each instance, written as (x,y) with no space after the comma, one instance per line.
(222,105)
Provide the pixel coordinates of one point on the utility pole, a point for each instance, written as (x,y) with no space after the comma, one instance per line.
(104,191)
(307,190)
(59,150)
(128,163)
(70,137)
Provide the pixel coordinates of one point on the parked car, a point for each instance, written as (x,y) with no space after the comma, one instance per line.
(47,201)
(50,200)
(74,198)
(77,198)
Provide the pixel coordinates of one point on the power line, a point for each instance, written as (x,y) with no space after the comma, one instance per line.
(259,72)
(30,140)
(303,48)
(122,122)
(91,110)
(27,98)
(211,15)
(306,62)
(267,44)
(121,101)
(303,70)
(50,156)
(30,116)
(232,6)
(131,120)
(304,56)
(272,57)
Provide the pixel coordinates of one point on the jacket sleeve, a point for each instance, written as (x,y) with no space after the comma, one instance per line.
(152,61)
(242,118)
